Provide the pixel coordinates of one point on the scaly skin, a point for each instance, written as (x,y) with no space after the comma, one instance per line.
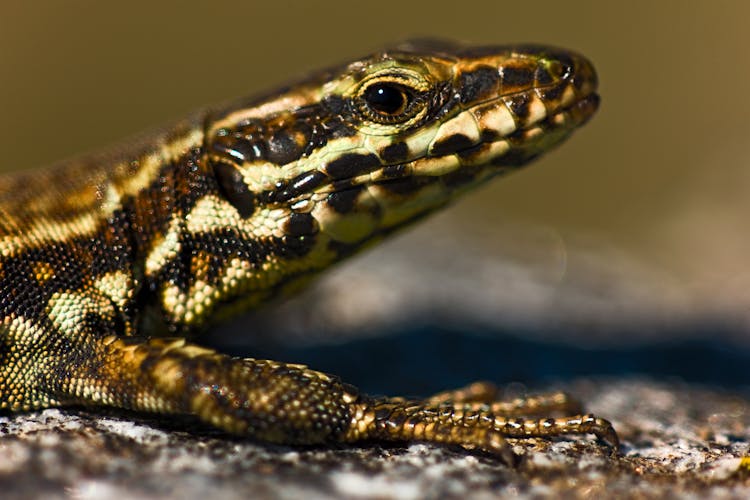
(109,263)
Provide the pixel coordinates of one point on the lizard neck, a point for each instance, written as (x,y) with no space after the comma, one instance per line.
(196,259)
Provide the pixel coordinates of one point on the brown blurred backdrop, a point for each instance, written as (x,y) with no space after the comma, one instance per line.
(659,178)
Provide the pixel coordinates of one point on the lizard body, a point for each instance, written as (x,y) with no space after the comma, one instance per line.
(108,264)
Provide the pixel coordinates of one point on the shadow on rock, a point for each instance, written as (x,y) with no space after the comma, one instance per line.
(425,360)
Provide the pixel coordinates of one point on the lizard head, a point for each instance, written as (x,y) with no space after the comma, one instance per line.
(364,148)
(335,161)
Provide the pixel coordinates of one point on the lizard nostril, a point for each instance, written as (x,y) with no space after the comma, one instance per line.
(559,70)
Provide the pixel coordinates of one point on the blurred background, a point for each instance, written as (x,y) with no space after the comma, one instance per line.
(625,251)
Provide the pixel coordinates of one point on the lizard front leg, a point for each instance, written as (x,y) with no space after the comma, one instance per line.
(272,401)
(292,404)
(267,400)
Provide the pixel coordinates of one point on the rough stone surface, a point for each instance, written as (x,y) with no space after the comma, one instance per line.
(677,439)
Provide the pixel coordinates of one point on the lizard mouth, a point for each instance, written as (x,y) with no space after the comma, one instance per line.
(583,109)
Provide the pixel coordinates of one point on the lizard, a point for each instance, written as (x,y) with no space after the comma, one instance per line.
(110,264)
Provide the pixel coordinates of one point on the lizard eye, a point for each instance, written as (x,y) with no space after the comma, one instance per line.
(391,99)
(386,98)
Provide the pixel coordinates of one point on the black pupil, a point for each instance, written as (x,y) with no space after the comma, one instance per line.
(385,98)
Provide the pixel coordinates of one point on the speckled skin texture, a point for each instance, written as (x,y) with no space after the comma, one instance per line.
(109,263)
